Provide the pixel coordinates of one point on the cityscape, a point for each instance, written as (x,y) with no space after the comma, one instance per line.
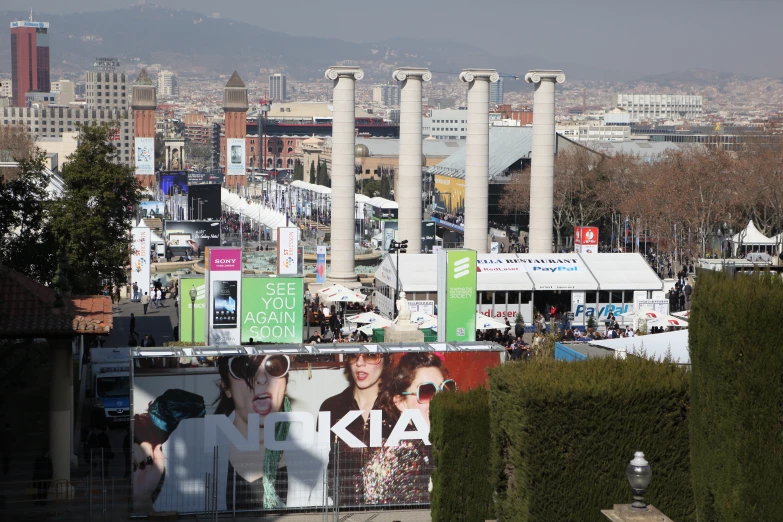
(390,270)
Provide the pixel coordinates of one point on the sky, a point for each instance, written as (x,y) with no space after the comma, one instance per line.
(644,36)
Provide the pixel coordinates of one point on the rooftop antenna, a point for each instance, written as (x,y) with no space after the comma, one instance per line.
(31,14)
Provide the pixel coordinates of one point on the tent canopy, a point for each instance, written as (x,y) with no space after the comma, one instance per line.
(622,271)
(655,345)
(752,236)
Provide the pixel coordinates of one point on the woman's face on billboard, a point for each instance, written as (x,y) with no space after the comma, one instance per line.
(264,397)
(429,375)
(366,373)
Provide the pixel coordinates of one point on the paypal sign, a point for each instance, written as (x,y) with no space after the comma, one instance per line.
(603,310)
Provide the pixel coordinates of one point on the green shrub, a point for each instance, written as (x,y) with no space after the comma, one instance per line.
(564,432)
(462,485)
(736,425)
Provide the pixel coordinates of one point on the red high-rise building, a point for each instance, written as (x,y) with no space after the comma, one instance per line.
(29,59)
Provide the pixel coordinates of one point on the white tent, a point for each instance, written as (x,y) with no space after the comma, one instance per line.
(656,345)
(753,239)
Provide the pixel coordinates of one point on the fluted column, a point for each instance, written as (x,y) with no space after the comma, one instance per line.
(477,157)
(542,161)
(408,194)
(343,174)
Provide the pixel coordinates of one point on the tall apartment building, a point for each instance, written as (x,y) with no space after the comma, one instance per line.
(644,107)
(387,94)
(107,88)
(6,88)
(446,124)
(52,122)
(167,84)
(65,91)
(29,59)
(277,87)
(496,93)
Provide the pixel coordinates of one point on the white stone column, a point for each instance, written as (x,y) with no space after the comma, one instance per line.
(542,161)
(343,176)
(60,401)
(477,157)
(408,194)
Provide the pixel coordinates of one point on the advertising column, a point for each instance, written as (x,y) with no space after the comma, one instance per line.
(140,258)
(586,240)
(286,250)
(272,309)
(456,295)
(223,295)
(320,264)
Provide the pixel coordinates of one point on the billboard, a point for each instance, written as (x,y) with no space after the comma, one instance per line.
(286,250)
(198,235)
(223,288)
(205,177)
(204,201)
(272,309)
(456,295)
(275,431)
(235,152)
(152,209)
(174,182)
(190,314)
(586,240)
(145,156)
(140,258)
(320,264)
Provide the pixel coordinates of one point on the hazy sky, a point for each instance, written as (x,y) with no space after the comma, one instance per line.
(650,36)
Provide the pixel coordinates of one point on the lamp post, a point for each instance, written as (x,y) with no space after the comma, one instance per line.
(639,474)
(395,248)
(193,316)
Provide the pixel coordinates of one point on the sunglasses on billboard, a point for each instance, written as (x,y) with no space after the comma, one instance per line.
(427,390)
(275,366)
(369,358)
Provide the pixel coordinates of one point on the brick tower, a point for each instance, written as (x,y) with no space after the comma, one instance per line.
(143,105)
(235,107)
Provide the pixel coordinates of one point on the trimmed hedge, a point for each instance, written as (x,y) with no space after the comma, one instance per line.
(564,432)
(736,425)
(461,481)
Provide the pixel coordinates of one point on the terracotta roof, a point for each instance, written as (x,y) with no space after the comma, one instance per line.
(235,81)
(26,310)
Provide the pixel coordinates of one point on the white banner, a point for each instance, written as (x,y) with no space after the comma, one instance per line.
(145,156)
(140,259)
(223,287)
(235,156)
(286,250)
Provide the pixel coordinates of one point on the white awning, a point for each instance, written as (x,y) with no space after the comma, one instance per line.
(622,272)
(655,345)
(557,271)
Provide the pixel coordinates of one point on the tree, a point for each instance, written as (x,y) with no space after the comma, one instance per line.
(322,175)
(385,187)
(298,171)
(26,242)
(160,152)
(92,218)
(199,156)
(312,172)
(371,188)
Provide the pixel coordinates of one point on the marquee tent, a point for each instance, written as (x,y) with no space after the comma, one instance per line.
(752,239)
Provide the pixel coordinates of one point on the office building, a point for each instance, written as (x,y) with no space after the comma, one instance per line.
(6,90)
(107,88)
(387,94)
(646,107)
(167,84)
(446,124)
(65,91)
(29,59)
(277,87)
(496,93)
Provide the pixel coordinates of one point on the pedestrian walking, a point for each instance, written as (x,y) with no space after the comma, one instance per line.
(145,302)
(133,325)
(135,293)
(158,297)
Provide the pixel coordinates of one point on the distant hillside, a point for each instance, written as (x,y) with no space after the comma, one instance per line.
(188,41)
(694,77)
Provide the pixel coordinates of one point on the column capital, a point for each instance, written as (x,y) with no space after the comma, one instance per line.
(403,73)
(469,75)
(538,76)
(338,71)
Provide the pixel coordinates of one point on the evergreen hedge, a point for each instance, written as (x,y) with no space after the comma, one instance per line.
(736,425)
(564,432)
(462,485)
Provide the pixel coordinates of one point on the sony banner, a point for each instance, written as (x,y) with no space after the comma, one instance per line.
(223,285)
(235,152)
(286,250)
(273,431)
(456,295)
(140,259)
(145,156)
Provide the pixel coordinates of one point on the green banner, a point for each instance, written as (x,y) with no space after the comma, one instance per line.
(272,309)
(186,312)
(461,295)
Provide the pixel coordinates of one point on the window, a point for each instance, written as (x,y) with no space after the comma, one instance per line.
(604,297)
(500,297)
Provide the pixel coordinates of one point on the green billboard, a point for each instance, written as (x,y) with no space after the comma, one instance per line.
(186,311)
(272,309)
(457,295)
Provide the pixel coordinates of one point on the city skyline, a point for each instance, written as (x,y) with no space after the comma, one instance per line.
(721,35)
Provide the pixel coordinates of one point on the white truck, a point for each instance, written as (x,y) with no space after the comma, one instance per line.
(110,381)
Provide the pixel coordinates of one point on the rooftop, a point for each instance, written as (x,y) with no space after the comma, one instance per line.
(298,110)
(506,146)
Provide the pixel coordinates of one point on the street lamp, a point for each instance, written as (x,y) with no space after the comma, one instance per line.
(395,248)
(639,474)
(193,316)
